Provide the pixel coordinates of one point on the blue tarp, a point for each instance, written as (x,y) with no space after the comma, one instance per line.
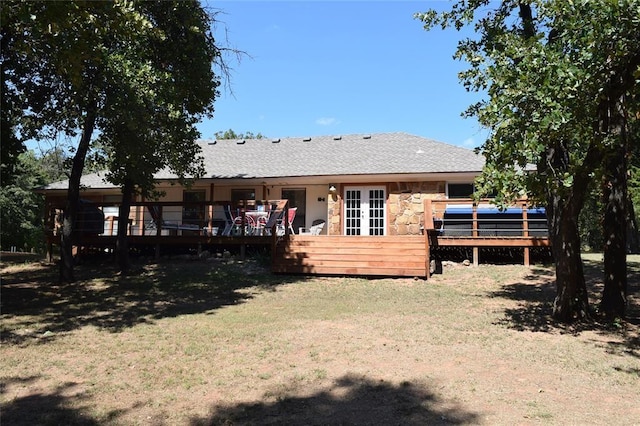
(457,221)
(490,210)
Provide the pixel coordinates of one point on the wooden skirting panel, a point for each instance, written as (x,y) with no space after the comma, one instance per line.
(492,242)
(352,255)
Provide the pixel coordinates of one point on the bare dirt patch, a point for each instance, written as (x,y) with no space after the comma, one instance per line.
(218,342)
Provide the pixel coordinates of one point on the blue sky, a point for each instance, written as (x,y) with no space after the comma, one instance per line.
(341,67)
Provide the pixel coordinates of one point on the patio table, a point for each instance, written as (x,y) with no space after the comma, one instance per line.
(256,221)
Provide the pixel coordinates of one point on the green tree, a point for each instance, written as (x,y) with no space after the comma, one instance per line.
(157,127)
(230,134)
(591,217)
(12,144)
(77,66)
(634,191)
(552,70)
(21,209)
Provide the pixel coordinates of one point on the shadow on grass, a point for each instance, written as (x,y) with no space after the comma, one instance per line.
(351,400)
(35,306)
(47,408)
(535,307)
(535,299)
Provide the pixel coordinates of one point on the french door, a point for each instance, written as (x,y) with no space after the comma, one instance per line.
(364,210)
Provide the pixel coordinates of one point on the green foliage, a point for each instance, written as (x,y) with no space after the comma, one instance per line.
(562,84)
(634,171)
(168,86)
(21,209)
(12,145)
(545,79)
(591,218)
(141,73)
(230,134)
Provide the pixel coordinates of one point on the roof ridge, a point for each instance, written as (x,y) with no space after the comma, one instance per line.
(343,135)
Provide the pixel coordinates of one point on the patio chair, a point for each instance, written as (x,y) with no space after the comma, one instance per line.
(290,219)
(229,221)
(273,219)
(315,228)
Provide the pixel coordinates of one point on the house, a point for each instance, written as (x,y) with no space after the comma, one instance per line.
(359,185)
(387,173)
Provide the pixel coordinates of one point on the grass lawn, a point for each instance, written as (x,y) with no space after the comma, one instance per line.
(219,342)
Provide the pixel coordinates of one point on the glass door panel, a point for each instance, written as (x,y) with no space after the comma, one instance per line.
(364,211)
(297,198)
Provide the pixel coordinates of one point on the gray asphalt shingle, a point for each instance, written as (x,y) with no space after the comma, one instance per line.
(382,153)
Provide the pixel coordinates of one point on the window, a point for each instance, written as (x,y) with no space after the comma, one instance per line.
(193,214)
(297,198)
(459,190)
(240,195)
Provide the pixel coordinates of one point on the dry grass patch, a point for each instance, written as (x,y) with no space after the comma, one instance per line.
(214,342)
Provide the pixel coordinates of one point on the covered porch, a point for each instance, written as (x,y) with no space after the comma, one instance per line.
(165,224)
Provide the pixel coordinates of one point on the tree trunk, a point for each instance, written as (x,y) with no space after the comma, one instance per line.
(563,209)
(571,302)
(122,242)
(69,233)
(614,296)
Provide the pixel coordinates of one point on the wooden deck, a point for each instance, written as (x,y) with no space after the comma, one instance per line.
(400,255)
(389,255)
(406,255)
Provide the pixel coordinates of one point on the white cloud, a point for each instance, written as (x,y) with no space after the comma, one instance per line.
(326,121)
(469,143)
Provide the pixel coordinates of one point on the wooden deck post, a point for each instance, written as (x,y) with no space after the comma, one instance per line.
(158,231)
(50,224)
(474,232)
(427,227)
(211,209)
(525,231)
(140,217)
(210,222)
(111,220)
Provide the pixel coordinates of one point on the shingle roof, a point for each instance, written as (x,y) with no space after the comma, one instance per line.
(92,180)
(383,153)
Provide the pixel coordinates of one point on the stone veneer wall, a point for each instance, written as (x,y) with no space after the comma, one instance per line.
(333,214)
(406,205)
(405,214)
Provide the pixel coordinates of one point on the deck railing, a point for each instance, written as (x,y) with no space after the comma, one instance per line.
(465,223)
(464,219)
(165,218)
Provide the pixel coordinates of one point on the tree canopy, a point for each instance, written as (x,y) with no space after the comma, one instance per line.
(139,74)
(21,209)
(561,83)
(231,134)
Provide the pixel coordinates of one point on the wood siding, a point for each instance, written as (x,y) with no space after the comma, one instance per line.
(400,255)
